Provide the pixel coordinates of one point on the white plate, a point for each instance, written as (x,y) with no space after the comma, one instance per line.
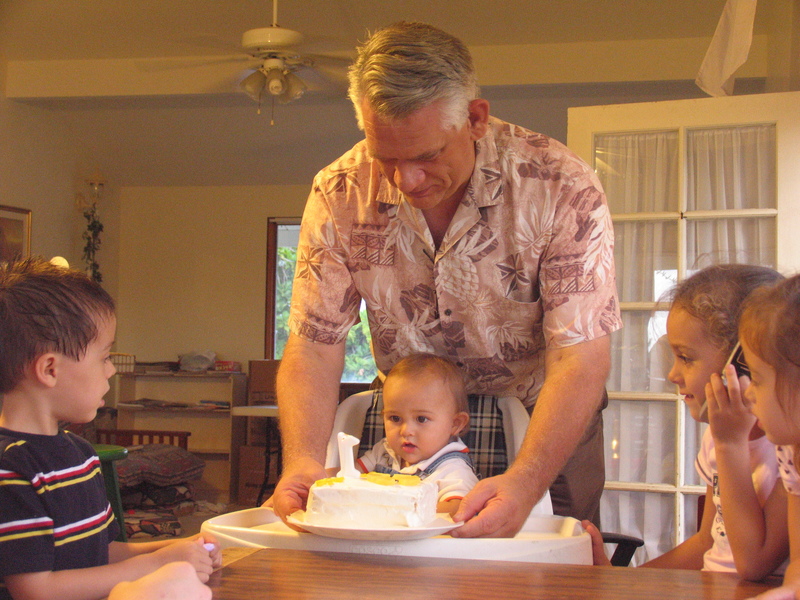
(442,524)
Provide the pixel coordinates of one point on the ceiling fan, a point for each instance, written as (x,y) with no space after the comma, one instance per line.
(276,77)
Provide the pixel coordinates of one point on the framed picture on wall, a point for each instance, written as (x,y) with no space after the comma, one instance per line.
(15,233)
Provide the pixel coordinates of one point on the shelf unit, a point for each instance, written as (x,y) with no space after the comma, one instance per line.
(211,429)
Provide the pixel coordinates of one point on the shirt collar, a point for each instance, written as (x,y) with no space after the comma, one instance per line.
(455,446)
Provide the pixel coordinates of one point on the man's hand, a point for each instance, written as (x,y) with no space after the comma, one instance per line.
(291,492)
(496,507)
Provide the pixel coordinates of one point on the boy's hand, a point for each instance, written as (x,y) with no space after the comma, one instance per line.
(210,544)
(173,581)
(191,551)
(728,411)
(598,548)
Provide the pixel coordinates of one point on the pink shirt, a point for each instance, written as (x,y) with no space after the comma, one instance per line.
(527,263)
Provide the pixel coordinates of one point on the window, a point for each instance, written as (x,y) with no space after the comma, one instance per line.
(282,238)
(681,199)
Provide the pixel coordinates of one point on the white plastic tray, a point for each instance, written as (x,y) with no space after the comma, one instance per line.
(544,539)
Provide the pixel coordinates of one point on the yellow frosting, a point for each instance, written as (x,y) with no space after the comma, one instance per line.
(386,479)
(329,481)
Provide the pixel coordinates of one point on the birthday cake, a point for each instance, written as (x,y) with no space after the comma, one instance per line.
(372,501)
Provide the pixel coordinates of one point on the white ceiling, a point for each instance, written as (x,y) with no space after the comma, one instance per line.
(218,139)
(80,29)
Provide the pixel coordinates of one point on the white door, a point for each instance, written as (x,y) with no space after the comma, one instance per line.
(689,183)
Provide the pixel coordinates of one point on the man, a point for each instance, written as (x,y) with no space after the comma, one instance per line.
(466,237)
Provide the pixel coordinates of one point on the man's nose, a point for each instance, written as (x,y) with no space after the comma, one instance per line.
(408,177)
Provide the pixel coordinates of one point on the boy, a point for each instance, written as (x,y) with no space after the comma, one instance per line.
(56,526)
(424,412)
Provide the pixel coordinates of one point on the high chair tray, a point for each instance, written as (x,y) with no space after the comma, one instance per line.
(545,539)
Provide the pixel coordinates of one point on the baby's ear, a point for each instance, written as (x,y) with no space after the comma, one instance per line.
(460,422)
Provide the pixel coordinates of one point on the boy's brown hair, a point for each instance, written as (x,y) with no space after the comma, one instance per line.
(46,308)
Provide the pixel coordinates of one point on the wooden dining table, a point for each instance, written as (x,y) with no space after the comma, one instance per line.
(280,574)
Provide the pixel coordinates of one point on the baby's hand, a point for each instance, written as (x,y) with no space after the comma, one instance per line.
(191,551)
(728,411)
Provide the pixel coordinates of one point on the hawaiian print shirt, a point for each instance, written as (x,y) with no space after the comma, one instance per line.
(527,263)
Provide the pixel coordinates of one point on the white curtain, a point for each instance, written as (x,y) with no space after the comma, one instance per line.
(725,169)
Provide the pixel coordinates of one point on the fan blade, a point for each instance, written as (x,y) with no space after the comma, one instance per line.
(189,62)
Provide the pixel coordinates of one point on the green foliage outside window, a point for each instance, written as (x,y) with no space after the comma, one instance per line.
(359,365)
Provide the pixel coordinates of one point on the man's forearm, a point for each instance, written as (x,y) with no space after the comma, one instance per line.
(571,395)
(308,391)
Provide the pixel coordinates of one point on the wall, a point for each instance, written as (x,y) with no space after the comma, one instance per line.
(192,264)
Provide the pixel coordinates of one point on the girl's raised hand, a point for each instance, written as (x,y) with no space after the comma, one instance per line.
(729,412)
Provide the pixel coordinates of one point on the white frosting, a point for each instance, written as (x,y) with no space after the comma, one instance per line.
(362,504)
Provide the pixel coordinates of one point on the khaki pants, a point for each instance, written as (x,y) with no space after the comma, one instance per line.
(577,489)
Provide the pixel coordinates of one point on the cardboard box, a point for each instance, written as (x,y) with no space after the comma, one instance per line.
(251,474)
(261,382)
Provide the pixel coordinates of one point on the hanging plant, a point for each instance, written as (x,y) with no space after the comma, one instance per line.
(92,238)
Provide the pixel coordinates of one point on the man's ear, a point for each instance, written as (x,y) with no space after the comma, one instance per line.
(45,369)
(478,118)
(460,421)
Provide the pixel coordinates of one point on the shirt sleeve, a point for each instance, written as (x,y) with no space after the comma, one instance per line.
(370,458)
(577,277)
(455,478)
(325,304)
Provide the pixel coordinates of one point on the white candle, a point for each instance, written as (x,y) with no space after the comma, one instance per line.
(346,462)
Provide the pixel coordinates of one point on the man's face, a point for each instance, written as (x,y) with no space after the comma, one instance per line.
(429,164)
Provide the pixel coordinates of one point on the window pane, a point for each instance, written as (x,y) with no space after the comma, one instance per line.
(639,171)
(730,168)
(742,240)
(640,441)
(640,356)
(690,515)
(646,515)
(643,251)
(359,365)
(693,436)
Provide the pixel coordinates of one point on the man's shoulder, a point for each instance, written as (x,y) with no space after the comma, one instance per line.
(354,159)
(524,140)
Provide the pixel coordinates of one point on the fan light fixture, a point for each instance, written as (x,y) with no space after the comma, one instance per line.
(276,80)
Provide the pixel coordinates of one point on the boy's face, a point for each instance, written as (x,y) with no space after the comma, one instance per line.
(420,417)
(82,384)
(696,357)
(764,401)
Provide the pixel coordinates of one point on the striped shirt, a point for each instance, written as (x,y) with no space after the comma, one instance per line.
(54,513)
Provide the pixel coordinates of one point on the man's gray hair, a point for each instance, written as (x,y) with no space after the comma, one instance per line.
(407,66)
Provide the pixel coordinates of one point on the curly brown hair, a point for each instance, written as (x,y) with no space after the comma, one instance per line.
(715,295)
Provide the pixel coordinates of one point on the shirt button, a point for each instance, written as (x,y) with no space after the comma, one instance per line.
(448,312)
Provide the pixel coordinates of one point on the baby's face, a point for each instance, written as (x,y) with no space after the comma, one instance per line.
(420,417)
